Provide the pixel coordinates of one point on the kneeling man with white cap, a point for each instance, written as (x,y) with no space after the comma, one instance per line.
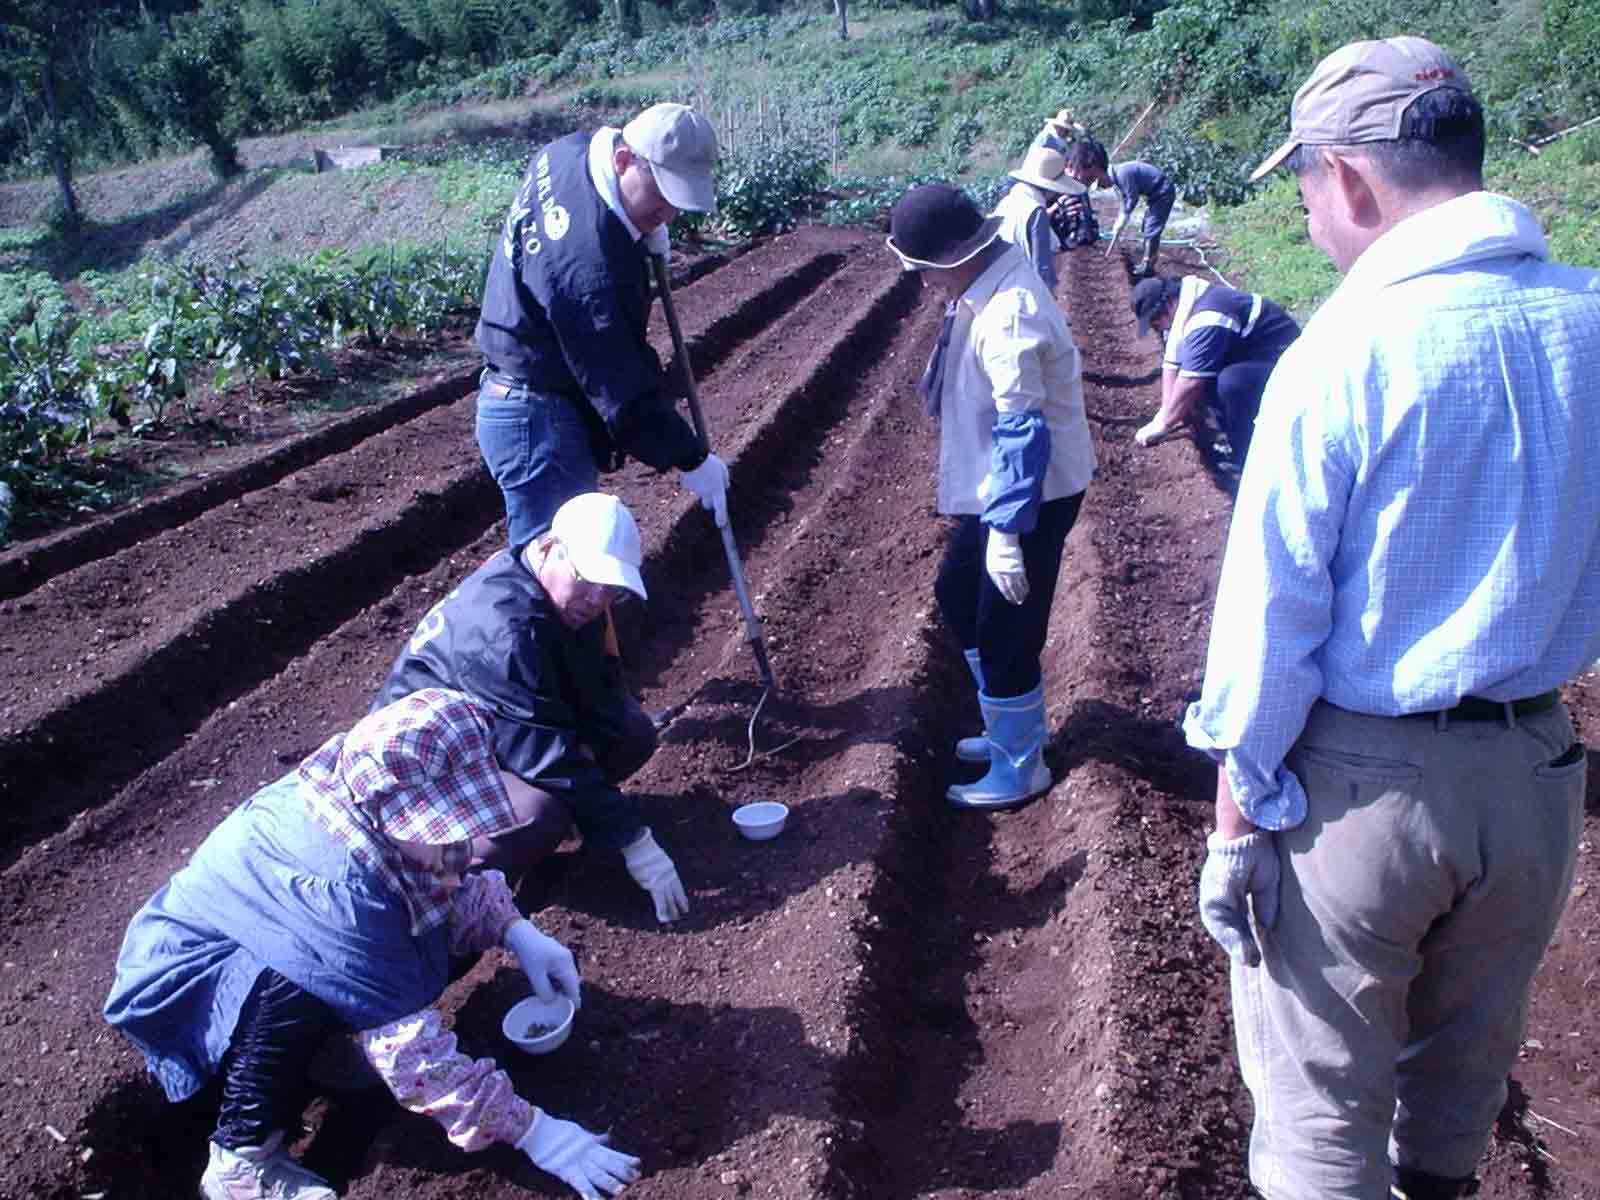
(523,635)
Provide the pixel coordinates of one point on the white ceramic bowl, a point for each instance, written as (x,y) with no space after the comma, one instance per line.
(555,1016)
(762,820)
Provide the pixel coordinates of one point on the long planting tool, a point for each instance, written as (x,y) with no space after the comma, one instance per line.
(752,624)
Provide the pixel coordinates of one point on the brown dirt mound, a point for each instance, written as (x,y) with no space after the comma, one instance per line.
(892,998)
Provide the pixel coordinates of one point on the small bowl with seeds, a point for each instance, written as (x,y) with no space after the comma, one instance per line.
(538,1026)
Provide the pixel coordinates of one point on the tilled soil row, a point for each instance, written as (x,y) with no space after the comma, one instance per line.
(743,300)
(25,567)
(823,1013)
(148,642)
(128,629)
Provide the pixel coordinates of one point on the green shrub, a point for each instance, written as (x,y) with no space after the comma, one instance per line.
(51,401)
(1572,46)
(1205,172)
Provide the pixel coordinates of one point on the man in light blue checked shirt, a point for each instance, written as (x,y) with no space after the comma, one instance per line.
(1413,569)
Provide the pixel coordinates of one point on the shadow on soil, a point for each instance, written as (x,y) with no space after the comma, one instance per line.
(917,1042)
(1152,750)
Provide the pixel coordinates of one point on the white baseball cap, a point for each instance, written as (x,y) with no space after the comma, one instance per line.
(681,148)
(601,540)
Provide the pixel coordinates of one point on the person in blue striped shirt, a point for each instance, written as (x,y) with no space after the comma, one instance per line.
(1412,572)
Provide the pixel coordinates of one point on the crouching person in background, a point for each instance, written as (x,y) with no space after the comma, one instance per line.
(1015,457)
(1221,346)
(525,635)
(325,908)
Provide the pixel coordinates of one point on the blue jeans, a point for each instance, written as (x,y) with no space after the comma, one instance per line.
(1009,637)
(1157,209)
(1237,399)
(536,445)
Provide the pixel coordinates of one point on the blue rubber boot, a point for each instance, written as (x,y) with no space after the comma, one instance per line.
(1016,731)
(973,749)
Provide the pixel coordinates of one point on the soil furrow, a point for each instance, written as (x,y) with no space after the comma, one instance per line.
(994,952)
(25,567)
(211,768)
(96,666)
(773,435)
(58,758)
(714,320)
(715,338)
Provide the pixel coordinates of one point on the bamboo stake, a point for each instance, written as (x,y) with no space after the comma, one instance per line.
(1557,136)
(1132,128)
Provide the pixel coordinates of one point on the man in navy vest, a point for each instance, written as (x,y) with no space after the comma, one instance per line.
(571,385)
(1221,347)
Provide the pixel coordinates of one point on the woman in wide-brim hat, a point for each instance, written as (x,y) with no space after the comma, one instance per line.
(1024,211)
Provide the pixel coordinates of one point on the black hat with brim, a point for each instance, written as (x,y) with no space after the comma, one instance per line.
(938,226)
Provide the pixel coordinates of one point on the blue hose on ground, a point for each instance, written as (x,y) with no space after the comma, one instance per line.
(1198,247)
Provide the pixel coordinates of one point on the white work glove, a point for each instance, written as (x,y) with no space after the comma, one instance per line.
(709,481)
(1153,431)
(548,964)
(653,871)
(1239,870)
(1003,560)
(577,1157)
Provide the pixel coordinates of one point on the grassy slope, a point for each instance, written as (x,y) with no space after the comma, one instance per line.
(1268,232)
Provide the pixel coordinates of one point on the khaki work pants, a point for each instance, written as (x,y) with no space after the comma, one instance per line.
(1417,900)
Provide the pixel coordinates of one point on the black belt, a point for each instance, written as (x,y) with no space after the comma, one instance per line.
(1476,708)
(497,385)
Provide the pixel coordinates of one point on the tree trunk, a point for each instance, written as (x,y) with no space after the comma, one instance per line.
(839,8)
(628,17)
(58,151)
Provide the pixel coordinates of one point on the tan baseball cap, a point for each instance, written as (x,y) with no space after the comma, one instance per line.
(681,148)
(1360,93)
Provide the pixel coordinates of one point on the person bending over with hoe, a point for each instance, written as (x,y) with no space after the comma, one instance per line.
(318,919)
(1133,181)
(571,386)
(525,636)
(1221,345)
(1015,457)
(1413,570)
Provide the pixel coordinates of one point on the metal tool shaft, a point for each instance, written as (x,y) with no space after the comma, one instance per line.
(752,623)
